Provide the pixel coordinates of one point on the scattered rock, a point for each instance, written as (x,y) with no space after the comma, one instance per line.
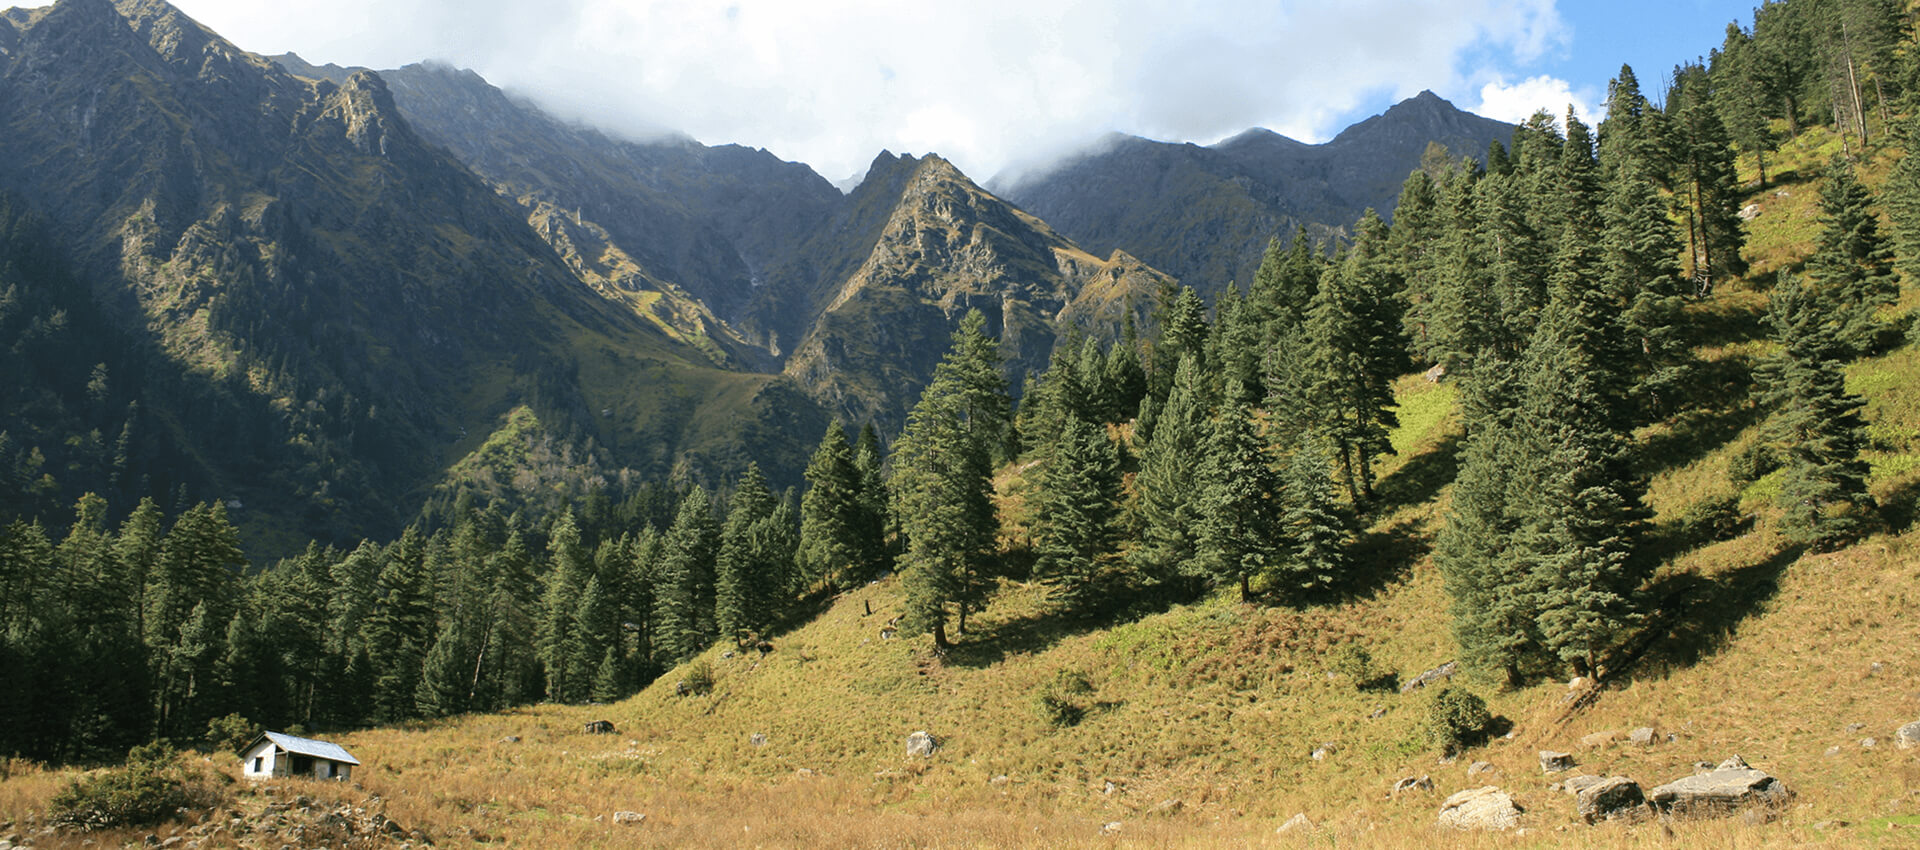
(1555,762)
(889,633)
(1111,828)
(1909,736)
(1297,823)
(510,739)
(1749,212)
(1609,798)
(1110,788)
(1833,751)
(758,739)
(1168,806)
(628,817)
(1855,727)
(1321,752)
(1876,669)
(600,727)
(1731,786)
(1480,767)
(921,744)
(1434,374)
(1600,739)
(1869,743)
(1377,714)
(1486,808)
(1437,674)
(1413,783)
(999,780)
(805,772)
(1642,737)
(1825,825)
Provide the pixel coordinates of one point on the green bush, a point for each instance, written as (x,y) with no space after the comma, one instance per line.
(151,787)
(1457,718)
(1060,702)
(1714,519)
(1752,463)
(1353,662)
(699,678)
(230,733)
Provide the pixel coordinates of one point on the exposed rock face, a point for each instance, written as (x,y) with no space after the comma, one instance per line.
(921,744)
(1608,798)
(1486,808)
(1642,737)
(1555,762)
(1731,786)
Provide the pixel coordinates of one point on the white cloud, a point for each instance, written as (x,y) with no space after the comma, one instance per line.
(1516,102)
(983,82)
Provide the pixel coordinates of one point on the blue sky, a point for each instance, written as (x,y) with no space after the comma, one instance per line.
(992,84)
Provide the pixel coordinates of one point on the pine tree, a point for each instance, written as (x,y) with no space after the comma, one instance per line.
(742,571)
(1817,421)
(1704,180)
(1852,264)
(1168,484)
(400,627)
(569,569)
(1902,196)
(832,527)
(1075,508)
(1354,332)
(1642,279)
(1241,503)
(875,522)
(684,590)
(1317,531)
(1183,332)
(942,481)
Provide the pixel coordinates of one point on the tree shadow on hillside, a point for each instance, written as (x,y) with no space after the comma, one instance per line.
(1901,506)
(1715,409)
(1421,477)
(1379,558)
(1695,616)
(990,642)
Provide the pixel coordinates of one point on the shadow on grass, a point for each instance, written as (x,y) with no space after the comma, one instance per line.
(1696,615)
(1379,558)
(1901,506)
(989,642)
(1420,478)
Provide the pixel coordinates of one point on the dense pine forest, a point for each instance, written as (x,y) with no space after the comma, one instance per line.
(1563,284)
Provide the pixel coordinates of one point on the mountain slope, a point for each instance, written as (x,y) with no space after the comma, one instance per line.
(1204,214)
(919,247)
(344,305)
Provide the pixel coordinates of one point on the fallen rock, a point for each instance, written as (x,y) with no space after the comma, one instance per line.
(1437,674)
(1434,374)
(1486,808)
(1555,762)
(999,780)
(510,739)
(1297,823)
(1642,737)
(1749,212)
(1600,739)
(1731,786)
(1321,752)
(1609,798)
(1869,743)
(758,739)
(1909,736)
(1480,767)
(921,744)
(1580,783)
(1111,828)
(1413,783)
(1168,807)
(628,817)
(600,727)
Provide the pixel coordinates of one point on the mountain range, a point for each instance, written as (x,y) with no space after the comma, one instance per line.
(328,295)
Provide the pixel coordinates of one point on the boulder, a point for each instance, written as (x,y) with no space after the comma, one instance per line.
(600,727)
(1434,374)
(1908,736)
(1168,806)
(921,744)
(1437,674)
(1486,808)
(1413,783)
(1600,739)
(1642,737)
(1555,762)
(758,739)
(1321,752)
(1609,798)
(628,817)
(1580,783)
(1731,786)
(1480,767)
(1297,823)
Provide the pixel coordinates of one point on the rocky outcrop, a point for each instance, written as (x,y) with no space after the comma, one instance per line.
(1612,797)
(1437,674)
(1485,808)
(1731,786)
(1552,761)
(1908,736)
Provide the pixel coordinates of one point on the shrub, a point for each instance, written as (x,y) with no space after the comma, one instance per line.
(149,788)
(1457,718)
(1752,463)
(231,732)
(1714,519)
(699,678)
(1354,663)
(1059,702)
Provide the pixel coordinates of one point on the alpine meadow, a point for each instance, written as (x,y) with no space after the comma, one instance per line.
(1449,483)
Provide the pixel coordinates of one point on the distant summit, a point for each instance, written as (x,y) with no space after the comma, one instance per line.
(1205,214)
